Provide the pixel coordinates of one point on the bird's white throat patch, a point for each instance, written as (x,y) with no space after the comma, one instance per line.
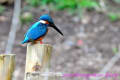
(42,21)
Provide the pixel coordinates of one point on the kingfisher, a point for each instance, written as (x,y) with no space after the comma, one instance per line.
(39,29)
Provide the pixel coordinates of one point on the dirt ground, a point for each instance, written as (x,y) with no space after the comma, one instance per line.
(86,47)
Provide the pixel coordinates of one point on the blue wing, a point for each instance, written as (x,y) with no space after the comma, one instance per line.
(37,30)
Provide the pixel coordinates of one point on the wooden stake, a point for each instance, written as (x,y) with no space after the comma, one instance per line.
(7,64)
(37,60)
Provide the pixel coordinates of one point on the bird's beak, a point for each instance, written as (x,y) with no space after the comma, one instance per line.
(54,26)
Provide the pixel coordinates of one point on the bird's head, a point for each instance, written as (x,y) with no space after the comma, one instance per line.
(46,19)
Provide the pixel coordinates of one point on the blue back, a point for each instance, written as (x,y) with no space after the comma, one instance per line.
(35,31)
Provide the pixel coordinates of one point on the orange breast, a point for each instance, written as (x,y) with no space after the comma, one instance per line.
(40,39)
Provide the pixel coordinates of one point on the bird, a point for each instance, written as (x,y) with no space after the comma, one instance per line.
(39,29)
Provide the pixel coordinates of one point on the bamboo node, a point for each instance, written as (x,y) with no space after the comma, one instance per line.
(37,67)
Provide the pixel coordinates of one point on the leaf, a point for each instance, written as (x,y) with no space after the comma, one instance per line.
(113,16)
(115,50)
(66,4)
(34,3)
(88,3)
(45,2)
(2,8)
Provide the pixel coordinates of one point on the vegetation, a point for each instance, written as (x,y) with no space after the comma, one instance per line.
(26,17)
(63,4)
(2,8)
(117,1)
(74,6)
(113,16)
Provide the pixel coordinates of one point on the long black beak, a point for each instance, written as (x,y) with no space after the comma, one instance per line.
(54,26)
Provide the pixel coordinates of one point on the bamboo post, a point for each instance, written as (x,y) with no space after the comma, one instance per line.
(37,61)
(7,64)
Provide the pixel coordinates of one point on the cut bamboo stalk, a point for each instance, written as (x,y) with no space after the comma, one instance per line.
(7,65)
(37,60)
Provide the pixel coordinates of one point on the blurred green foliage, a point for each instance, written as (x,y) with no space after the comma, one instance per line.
(117,1)
(74,6)
(88,3)
(26,17)
(2,8)
(115,50)
(33,2)
(63,4)
(113,16)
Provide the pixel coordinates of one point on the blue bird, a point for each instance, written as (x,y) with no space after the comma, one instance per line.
(39,29)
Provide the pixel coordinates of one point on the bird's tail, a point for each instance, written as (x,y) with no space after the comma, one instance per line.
(22,42)
(25,41)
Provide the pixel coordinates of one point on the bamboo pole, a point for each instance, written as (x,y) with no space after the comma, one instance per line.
(7,64)
(37,61)
(14,26)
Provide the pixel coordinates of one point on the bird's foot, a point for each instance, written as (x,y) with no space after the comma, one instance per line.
(41,42)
